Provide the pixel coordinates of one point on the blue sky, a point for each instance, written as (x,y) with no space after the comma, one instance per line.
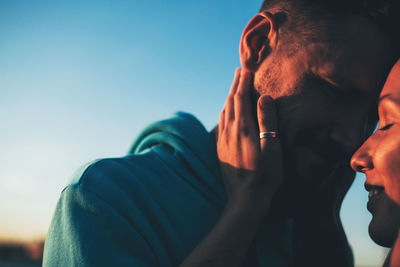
(80,79)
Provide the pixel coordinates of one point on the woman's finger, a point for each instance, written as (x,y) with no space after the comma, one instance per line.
(221,123)
(236,80)
(229,106)
(268,122)
(242,98)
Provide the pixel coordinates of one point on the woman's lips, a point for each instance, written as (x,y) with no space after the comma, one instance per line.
(375,194)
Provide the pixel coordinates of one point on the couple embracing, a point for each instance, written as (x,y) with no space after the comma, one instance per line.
(265,186)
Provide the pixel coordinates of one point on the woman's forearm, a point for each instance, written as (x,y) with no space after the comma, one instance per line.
(228,242)
(251,170)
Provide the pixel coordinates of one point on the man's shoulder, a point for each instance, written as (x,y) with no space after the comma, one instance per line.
(109,178)
(109,168)
(103,201)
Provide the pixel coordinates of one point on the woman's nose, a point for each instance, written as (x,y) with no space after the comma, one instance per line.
(361,161)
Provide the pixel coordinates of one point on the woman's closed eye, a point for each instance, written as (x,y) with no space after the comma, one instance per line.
(386,127)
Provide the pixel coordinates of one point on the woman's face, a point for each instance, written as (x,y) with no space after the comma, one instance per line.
(379,159)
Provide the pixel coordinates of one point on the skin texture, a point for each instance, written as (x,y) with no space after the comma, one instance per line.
(379,159)
(323,94)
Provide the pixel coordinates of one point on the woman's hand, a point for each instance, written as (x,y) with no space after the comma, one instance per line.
(251,170)
(251,167)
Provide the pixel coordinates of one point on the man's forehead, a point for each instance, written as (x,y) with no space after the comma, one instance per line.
(358,57)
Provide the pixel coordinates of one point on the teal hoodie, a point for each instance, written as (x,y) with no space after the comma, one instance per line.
(151,207)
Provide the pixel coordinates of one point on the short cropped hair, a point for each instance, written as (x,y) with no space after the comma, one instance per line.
(300,16)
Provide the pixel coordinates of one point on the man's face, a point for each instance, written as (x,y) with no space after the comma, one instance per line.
(326,96)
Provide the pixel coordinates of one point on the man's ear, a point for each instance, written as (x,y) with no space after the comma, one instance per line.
(258,39)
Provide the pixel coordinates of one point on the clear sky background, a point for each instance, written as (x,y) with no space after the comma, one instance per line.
(80,79)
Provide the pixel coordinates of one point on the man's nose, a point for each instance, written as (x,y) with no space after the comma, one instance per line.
(361,161)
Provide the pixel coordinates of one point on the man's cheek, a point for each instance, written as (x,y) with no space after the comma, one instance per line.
(303,164)
(311,167)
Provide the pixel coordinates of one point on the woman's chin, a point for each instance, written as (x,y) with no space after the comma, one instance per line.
(381,235)
(385,223)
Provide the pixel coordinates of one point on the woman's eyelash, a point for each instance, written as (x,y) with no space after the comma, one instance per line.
(387,126)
